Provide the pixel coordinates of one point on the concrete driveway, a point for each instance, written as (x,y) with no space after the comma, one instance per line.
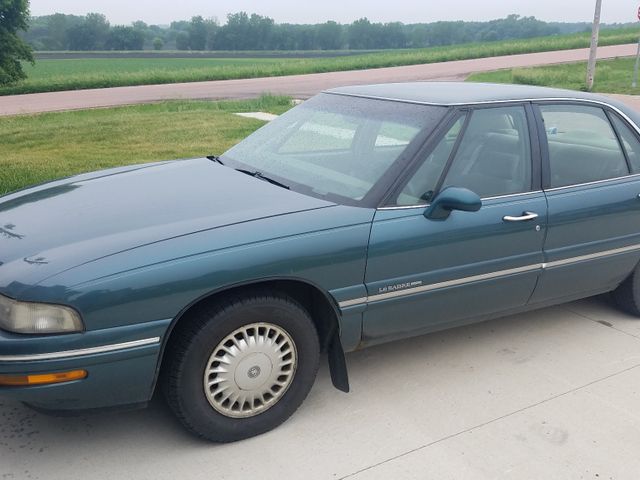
(552,394)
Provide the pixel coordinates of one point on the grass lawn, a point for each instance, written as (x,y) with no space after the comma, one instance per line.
(612,76)
(54,75)
(37,148)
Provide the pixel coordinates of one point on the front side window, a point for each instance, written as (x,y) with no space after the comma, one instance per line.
(333,146)
(419,189)
(494,156)
(582,145)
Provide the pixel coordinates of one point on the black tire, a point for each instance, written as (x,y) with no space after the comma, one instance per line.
(192,345)
(627,295)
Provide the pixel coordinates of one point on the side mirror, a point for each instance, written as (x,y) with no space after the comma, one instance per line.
(452,198)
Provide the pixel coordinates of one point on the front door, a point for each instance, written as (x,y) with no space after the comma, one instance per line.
(423,274)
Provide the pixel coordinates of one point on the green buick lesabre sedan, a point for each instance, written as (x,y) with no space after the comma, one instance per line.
(364,215)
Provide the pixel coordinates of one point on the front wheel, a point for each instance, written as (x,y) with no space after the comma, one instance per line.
(243,367)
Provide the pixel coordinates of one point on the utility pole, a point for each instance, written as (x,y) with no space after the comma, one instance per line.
(634,84)
(591,67)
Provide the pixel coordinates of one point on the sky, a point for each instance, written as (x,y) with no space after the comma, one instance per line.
(343,11)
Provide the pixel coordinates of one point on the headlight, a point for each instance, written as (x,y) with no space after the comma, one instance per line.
(37,318)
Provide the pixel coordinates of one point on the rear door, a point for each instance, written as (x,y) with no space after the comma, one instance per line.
(592,189)
(425,274)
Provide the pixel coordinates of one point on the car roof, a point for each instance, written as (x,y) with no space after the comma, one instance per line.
(461,93)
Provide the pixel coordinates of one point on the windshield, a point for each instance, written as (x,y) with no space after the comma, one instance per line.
(333,146)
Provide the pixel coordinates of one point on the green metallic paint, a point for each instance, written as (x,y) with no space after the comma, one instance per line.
(114,379)
(589,219)
(126,274)
(406,247)
(132,248)
(450,199)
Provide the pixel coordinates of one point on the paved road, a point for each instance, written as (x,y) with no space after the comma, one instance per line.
(552,394)
(301,86)
(198,54)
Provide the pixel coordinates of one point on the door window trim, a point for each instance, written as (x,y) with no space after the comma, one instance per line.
(595,182)
(427,146)
(619,139)
(531,104)
(613,114)
(544,142)
(497,197)
(453,153)
(457,112)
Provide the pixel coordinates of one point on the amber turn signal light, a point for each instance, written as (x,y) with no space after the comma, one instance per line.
(41,379)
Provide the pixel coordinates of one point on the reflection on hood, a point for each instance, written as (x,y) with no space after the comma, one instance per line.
(7,231)
(31,197)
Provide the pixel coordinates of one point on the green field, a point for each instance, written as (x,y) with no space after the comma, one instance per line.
(37,148)
(55,75)
(612,76)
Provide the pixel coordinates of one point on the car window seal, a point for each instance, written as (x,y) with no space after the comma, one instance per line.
(619,139)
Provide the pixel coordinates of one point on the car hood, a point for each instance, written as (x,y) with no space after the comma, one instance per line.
(56,226)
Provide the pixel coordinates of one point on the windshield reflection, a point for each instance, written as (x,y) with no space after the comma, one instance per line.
(335,147)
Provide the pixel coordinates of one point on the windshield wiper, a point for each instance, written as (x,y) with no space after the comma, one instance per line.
(254,173)
(261,176)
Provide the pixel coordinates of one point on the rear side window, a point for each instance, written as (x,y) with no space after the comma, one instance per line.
(630,142)
(582,145)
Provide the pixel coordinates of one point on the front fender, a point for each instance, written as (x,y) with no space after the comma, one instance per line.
(326,247)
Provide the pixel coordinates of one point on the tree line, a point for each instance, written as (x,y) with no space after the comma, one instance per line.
(14,18)
(243,31)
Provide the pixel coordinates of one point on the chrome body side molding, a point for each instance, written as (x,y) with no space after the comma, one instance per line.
(81,352)
(486,276)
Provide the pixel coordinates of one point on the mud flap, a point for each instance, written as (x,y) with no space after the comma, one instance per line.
(338,364)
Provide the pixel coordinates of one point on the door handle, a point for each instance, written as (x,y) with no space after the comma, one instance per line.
(525,217)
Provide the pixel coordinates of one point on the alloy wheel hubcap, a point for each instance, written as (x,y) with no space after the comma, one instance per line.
(250,370)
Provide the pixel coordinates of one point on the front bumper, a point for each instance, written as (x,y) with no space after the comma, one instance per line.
(121,363)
